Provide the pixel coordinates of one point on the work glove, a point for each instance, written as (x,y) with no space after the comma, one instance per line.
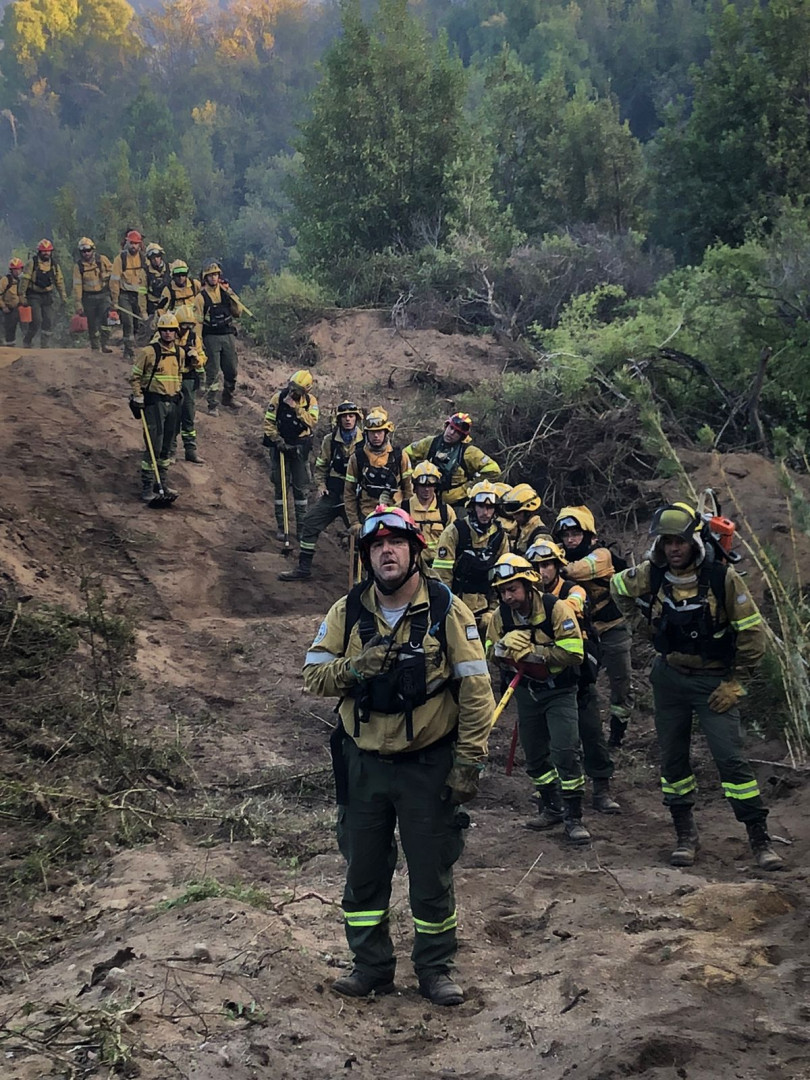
(517,644)
(136,406)
(386,499)
(726,695)
(463,781)
(378,654)
(268,442)
(289,448)
(355,530)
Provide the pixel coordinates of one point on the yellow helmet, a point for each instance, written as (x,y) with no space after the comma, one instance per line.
(185,313)
(154,249)
(675,519)
(179,266)
(482,492)
(542,551)
(168,321)
(348,408)
(521,497)
(426,473)
(571,516)
(511,567)
(377,420)
(212,268)
(502,488)
(86,244)
(301,380)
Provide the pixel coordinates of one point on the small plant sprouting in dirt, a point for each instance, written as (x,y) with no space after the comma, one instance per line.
(208,888)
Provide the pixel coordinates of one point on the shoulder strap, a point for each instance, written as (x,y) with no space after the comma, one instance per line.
(463,530)
(443,515)
(549,600)
(353,611)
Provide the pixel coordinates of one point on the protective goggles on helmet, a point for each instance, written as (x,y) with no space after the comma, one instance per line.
(179,271)
(543,551)
(461,422)
(393,522)
(677,519)
(568,523)
(512,568)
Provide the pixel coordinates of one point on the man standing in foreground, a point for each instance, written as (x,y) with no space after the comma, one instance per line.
(404,656)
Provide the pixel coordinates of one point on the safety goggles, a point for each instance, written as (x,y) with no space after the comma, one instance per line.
(503,572)
(426,481)
(383,523)
(84,250)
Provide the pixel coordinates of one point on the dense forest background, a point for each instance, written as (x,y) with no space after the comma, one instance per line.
(620,184)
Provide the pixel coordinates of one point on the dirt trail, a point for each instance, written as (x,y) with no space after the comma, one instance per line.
(601,964)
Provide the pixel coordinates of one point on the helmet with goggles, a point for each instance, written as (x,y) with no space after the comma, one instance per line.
(511,567)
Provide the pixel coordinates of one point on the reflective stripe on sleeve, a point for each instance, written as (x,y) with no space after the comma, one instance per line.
(470,667)
(747,622)
(319,656)
(573,645)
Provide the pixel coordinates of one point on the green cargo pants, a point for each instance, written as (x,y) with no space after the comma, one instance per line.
(409,790)
(187,413)
(319,517)
(96,305)
(132,320)
(548,727)
(42,307)
(595,754)
(161,423)
(297,479)
(616,644)
(220,350)
(676,698)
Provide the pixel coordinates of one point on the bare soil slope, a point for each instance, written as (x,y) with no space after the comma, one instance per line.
(602,964)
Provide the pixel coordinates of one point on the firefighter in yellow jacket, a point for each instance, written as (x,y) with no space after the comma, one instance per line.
(128,285)
(10,299)
(469,548)
(709,636)
(217,307)
(91,292)
(427,508)
(158,277)
(190,341)
(330,477)
(181,289)
(40,281)
(523,504)
(289,425)
(378,473)
(404,657)
(538,634)
(592,564)
(548,559)
(458,460)
(156,385)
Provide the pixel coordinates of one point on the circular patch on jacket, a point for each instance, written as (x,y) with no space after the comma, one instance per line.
(321,633)
(442,552)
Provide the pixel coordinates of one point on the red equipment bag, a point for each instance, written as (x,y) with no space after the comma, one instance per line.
(78,324)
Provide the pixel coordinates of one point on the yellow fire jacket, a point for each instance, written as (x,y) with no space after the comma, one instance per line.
(326,477)
(560,649)
(128,274)
(473,465)
(91,277)
(9,292)
(461,679)
(29,280)
(429,520)
(447,553)
(357,501)
(159,368)
(737,615)
(595,573)
(524,535)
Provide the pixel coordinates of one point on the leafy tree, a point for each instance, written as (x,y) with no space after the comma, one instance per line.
(745,142)
(386,124)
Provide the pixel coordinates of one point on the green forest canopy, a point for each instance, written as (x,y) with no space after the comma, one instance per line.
(509,155)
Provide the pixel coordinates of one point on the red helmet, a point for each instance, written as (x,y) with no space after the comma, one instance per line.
(133,236)
(461,421)
(389,521)
(45,245)
(15,264)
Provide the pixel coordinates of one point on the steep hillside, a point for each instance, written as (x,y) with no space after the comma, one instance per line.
(220,917)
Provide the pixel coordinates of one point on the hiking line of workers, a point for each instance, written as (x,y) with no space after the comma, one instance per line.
(185,329)
(462,570)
